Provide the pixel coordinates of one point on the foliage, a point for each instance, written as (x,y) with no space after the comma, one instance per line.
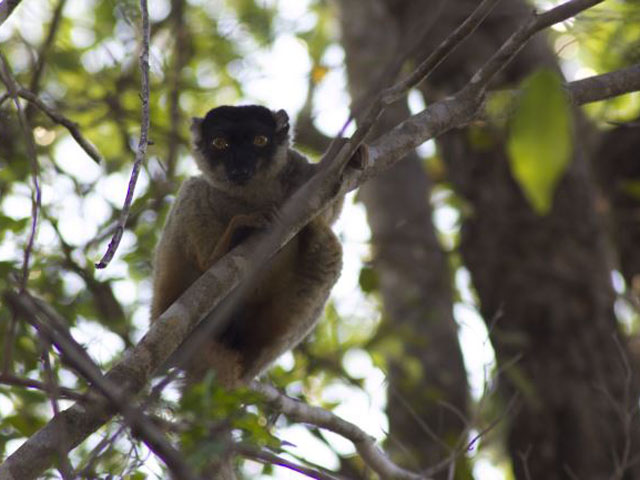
(609,38)
(90,74)
(540,142)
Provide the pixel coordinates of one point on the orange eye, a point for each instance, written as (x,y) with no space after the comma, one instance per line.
(220,143)
(260,140)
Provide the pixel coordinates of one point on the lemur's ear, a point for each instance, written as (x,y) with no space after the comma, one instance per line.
(282,122)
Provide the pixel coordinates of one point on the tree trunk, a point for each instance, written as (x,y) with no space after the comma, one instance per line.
(543,284)
(619,176)
(427,379)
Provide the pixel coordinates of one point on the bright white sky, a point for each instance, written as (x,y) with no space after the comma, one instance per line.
(281,83)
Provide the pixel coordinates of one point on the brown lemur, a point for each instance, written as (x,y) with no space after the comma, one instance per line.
(248,171)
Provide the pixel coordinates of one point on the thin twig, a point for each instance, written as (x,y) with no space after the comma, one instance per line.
(420,422)
(453,41)
(45,48)
(62,392)
(77,358)
(524,459)
(6,8)
(70,125)
(141,152)
(388,96)
(94,455)
(366,446)
(264,456)
(627,409)
(389,74)
(13,88)
(111,309)
(518,40)
(64,465)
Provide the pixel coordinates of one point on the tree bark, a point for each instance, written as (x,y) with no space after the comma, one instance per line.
(616,162)
(543,284)
(427,377)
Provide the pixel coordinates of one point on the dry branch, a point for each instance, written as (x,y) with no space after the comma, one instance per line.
(521,36)
(6,8)
(51,327)
(364,443)
(422,72)
(607,85)
(376,103)
(36,194)
(70,125)
(45,47)
(141,152)
(9,379)
(267,457)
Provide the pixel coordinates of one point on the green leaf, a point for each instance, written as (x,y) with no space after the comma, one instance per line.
(631,188)
(368,279)
(26,423)
(539,143)
(9,223)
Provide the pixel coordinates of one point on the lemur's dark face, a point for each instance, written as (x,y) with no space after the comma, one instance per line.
(237,143)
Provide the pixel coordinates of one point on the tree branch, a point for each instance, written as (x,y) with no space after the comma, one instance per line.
(70,125)
(36,194)
(608,85)
(51,327)
(375,105)
(443,50)
(519,39)
(9,379)
(45,48)
(463,108)
(141,153)
(264,456)
(6,8)
(364,443)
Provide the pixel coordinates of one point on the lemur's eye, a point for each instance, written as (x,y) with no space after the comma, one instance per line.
(220,143)
(260,140)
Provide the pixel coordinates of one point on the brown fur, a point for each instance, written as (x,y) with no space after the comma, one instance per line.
(291,292)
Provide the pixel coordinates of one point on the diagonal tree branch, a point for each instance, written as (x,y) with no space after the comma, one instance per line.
(369,109)
(6,8)
(45,47)
(70,125)
(422,72)
(264,456)
(364,443)
(521,36)
(51,327)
